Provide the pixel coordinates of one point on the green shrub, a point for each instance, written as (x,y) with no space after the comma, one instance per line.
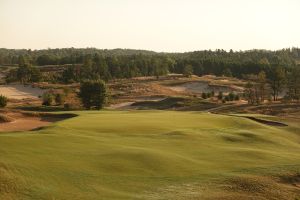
(48,99)
(67,106)
(3,101)
(237,97)
(60,99)
(93,94)
(231,96)
(220,95)
(227,98)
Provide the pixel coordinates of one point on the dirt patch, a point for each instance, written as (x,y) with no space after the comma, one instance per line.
(27,121)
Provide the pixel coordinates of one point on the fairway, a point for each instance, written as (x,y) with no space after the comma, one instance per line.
(151,155)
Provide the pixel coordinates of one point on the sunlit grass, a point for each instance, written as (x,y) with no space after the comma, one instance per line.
(126,155)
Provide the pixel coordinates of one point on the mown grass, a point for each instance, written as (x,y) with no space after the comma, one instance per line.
(148,155)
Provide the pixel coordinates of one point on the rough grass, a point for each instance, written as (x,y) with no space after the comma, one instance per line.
(152,155)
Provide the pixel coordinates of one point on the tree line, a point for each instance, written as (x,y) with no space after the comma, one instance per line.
(124,63)
(279,70)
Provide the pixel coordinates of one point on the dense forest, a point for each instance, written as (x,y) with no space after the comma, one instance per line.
(93,63)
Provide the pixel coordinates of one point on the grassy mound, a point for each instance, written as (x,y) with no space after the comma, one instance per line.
(153,155)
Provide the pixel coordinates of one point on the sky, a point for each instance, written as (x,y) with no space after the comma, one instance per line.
(158,25)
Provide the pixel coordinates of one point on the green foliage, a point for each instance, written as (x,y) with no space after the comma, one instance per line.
(208,95)
(3,101)
(236,97)
(46,59)
(119,63)
(188,70)
(293,84)
(48,99)
(60,98)
(71,106)
(25,73)
(249,94)
(227,98)
(106,68)
(220,95)
(227,72)
(277,81)
(93,94)
(12,76)
(231,96)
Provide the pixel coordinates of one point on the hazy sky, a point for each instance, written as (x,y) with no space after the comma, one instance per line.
(160,25)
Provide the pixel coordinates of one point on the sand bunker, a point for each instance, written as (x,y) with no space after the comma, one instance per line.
(29,121)
(20,92)
(129,104)
(200,87)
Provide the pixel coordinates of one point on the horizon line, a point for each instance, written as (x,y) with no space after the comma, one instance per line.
(110,49)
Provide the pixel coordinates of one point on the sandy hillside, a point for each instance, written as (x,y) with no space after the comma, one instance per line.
(20,92)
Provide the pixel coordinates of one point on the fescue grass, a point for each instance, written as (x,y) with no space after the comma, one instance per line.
(144,155)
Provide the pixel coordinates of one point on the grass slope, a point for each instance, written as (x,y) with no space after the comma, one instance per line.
(151,155)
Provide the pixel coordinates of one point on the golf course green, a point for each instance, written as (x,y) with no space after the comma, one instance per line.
(151,155)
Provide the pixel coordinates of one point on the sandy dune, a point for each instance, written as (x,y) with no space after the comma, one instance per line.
(20,92)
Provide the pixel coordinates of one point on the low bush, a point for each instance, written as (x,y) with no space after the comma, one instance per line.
(48,99)
(60,99)
(204,95)
(3,101)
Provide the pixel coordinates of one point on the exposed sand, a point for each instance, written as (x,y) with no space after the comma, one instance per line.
(20,92)
(23,124)
(124,105)
(128,104)
(200,87)
(196,87)
(27,122)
